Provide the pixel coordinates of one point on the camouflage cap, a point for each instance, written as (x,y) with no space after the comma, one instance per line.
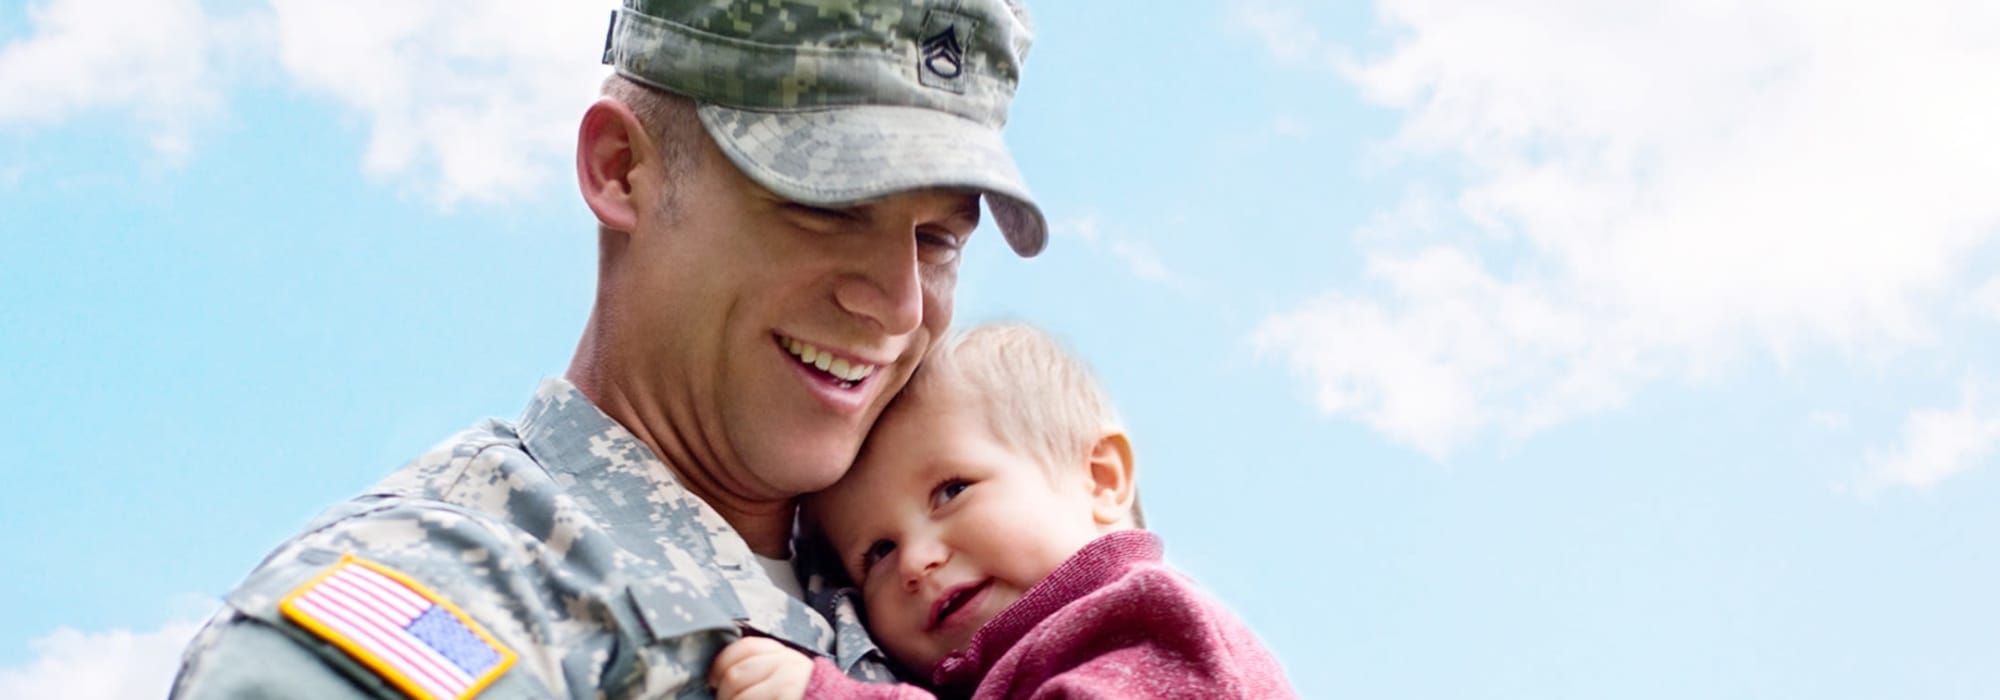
(832,102)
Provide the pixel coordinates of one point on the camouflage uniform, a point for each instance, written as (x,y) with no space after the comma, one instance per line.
(561,545)
(565,537)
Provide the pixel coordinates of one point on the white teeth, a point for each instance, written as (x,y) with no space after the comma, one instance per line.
(840,368)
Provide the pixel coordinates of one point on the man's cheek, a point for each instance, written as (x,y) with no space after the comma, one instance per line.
(938,290)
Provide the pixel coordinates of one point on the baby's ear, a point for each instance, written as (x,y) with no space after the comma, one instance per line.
(1112,492)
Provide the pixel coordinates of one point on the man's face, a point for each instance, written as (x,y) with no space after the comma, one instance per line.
(774,333)
(943,525)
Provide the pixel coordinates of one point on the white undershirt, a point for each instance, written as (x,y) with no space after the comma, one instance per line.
(782,574)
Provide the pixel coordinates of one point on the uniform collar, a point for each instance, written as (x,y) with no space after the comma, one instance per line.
(645,510)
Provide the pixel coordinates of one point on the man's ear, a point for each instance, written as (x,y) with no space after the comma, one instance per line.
(611,146)
(1111,488)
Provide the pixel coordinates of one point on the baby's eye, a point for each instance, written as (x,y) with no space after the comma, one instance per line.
(875,553)
(948,490)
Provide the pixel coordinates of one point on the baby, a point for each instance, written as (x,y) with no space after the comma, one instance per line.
(992,525)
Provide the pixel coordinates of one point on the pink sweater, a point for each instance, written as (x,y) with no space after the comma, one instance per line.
(1112,622)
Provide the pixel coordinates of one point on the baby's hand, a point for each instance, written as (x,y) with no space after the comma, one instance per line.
(760,668)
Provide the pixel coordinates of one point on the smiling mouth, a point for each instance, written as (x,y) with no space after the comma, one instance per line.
(955,600)
(839,371)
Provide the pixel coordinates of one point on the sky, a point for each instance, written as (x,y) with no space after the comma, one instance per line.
(1471,349)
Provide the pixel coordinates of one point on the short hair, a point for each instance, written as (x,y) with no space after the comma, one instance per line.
(1038,396)
(670,119)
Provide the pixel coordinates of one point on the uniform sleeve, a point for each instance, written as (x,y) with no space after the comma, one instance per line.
(480,606)
(238,657)
(829,683)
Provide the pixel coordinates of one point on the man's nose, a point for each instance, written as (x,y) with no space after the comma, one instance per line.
(885,285)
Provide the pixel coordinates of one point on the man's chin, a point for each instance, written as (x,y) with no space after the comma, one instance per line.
(808,473)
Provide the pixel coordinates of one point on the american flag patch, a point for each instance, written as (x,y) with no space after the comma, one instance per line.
(419,642)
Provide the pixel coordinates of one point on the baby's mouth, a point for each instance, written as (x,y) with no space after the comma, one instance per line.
(954,600)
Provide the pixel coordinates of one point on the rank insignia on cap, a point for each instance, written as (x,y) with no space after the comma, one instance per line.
(419,642)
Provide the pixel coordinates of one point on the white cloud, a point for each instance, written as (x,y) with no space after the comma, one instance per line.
(1417,216)
(1828,420)
(1086,228)
(151,58)
(1940,443)
(1139,258)
(1286,34)
(473,100)
(112,665)
(1987,298)
(1422,360)
(1290,126)
(1649,191)
(461,101)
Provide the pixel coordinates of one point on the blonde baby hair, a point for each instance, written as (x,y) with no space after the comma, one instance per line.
(1038,396)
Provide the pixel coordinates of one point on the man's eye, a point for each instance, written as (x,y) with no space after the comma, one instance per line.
(875,553)
(937,248)
(948,490)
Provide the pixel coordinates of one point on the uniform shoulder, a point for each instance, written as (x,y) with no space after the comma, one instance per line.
(450,471)
(460,568)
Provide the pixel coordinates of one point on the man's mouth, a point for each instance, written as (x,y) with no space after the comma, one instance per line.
(955,599)
(840,371)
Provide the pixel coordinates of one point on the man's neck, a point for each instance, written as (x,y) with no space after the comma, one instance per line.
(766,526)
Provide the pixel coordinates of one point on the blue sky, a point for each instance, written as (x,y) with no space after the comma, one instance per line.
(1555,349)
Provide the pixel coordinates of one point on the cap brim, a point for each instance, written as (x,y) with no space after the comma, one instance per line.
(839,156)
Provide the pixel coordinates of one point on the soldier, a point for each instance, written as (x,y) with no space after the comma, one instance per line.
(783,190)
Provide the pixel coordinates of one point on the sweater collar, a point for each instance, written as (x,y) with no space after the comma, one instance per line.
(1095,566)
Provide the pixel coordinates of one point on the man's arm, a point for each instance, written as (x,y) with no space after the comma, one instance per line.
(239,657)
(389,598)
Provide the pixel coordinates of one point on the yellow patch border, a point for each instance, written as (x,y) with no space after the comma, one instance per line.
(381,666)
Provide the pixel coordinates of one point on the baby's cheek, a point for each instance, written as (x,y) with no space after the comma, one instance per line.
(878,612)
(894,630)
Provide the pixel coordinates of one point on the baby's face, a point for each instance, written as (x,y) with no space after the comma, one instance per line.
(943,525)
